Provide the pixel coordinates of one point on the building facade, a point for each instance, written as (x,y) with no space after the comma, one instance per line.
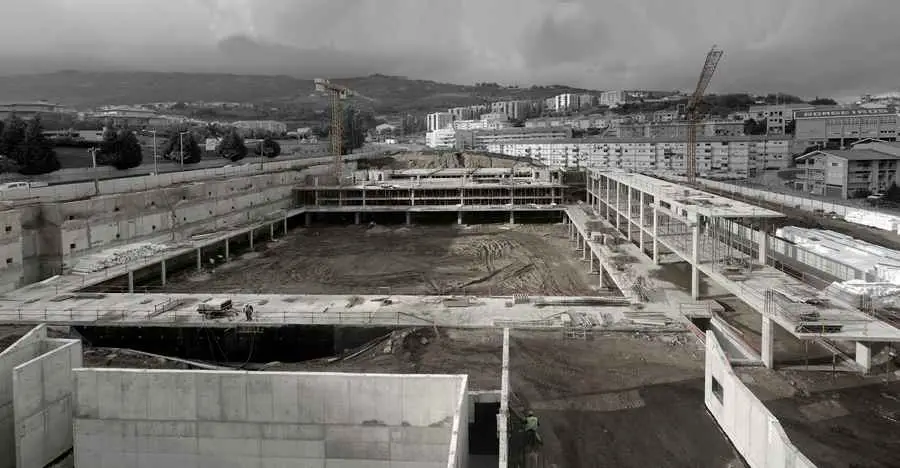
(847,173)
(444,138)
(517,110)
(838,128)
(27,110)
(777,117)
(716,156)
(439,121)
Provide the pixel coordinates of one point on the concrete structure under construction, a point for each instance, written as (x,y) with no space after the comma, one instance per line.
(36,399)
(696,227)
(133,418)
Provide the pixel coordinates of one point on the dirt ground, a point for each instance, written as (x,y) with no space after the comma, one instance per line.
(836,420)
(476,260)
(623,400)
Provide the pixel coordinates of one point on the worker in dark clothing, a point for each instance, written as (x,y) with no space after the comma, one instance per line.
(531,429)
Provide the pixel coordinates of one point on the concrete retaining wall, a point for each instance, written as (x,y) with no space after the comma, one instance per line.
(753,430)
(131,418)
(36,399)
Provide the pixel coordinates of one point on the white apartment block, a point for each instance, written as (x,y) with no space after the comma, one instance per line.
(566,102)
(612,98)
(716,157)
(483,124)
(473,112)
(444,138)
(512,109)
(439,121)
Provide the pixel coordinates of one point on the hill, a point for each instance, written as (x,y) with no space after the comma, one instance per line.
(387,93)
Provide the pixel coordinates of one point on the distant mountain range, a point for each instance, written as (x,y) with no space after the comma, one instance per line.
(386,93)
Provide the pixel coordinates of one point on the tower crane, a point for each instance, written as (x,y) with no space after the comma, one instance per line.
(338,93)
(693,114)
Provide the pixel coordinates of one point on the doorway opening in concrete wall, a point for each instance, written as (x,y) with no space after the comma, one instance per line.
(484,447)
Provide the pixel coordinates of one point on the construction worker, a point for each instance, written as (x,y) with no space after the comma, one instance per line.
(531,428)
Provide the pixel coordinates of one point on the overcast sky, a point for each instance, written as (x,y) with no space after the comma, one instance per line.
(807,47)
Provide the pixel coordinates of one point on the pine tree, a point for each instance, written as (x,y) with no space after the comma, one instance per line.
(35,154)
(268,147)
(12,136)
(120,149)
(192,151)
(232,146)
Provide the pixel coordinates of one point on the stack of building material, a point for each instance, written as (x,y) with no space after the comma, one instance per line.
(118,256)
(858,293)
(872,219)
(647,318)
(881,263)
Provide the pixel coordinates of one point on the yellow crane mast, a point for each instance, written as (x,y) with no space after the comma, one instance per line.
(693,114)
(336,134)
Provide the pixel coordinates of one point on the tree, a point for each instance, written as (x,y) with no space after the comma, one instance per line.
(35,154)
(892,193)
(232,146)
(173,147)
(356,124)
(823,102)
(752,127)
(120,149)
(268,147)
(13,134)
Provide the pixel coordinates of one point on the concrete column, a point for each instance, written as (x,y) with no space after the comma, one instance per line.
(591,262)
(767,346)
(356,217)
(162,272)
(251,239)
(864,356)
(272,231)
(655,236)
(130,282)
(199,260)
(763,247)
(616,209)
(584,248)
(600,274)
(227,250)
(629,217)
(641,223)
(307,219)
(408,218)
(695,261)
(512,217)
(459,217)
(285,226)
(607,198)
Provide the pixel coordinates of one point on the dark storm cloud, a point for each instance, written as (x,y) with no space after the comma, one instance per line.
(801,46)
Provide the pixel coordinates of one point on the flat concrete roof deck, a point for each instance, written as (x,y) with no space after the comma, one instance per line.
(704,203)
(437,184)
(180,310)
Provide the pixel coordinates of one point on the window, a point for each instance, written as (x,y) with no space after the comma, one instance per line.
(8,228)
(72,246)
(717,390)
(834,164)
(8,261)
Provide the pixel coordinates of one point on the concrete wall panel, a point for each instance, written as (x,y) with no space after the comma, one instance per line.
(753,430)
(245,419)
(25,349)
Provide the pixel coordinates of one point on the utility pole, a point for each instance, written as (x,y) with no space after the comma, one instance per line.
(93,152)
(181,143)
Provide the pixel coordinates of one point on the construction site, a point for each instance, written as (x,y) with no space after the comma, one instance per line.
(337,313)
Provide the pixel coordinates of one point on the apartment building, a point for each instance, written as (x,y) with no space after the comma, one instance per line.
(517,110)
(744,156)
(472,112)
(837,128)
(777,117)
(439,121)
(481,139)
(679,129)
(848,173)
(483,124)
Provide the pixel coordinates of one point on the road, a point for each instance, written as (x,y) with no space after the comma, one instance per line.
(82,174)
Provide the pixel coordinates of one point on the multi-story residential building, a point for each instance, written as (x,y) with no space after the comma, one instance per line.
(849,173)
(679,129)
(472,112)
(481,139)
(442,138)
(837,128)
(517,110)
(743,156)
(565,102)
(617,98)
(777,117)
(483,124)
(586,101)
(439,121)
(665,115)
